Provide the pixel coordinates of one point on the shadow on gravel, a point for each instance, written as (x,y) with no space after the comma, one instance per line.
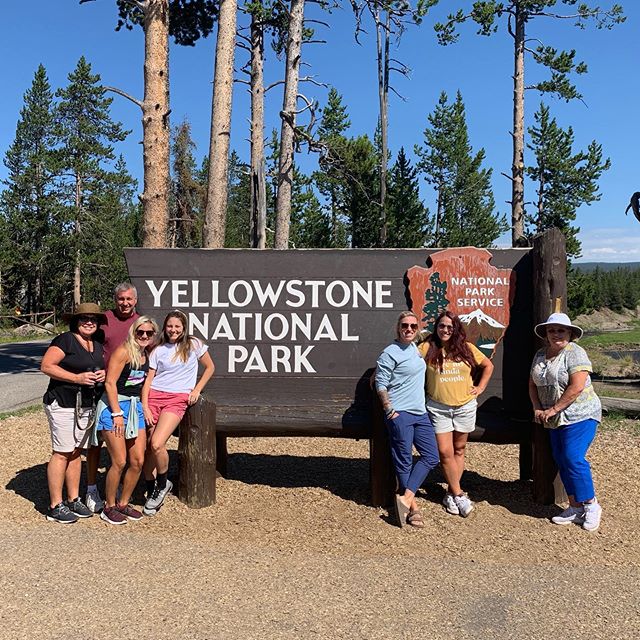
(346,478)
(513,495)
(31,483)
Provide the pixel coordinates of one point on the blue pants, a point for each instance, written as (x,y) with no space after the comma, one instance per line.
(569,445)
(406,430)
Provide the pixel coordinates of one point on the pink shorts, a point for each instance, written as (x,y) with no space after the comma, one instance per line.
(161,401)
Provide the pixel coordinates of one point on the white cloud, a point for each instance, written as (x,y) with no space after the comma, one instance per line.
(612,244)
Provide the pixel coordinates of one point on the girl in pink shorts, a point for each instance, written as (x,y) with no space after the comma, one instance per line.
(171,386)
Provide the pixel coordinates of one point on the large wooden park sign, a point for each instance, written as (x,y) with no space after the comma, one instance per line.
(295,334)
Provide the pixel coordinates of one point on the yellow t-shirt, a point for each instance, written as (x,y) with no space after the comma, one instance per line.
(451,386)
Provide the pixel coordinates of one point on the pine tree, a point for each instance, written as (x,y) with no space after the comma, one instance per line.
(333,124)
(238,204)
(85,158)
(407,217)
(359,192)
(465,204)
(564,180)
(28,204)
(435,301)
(519,16)
(187,193)
(310,226)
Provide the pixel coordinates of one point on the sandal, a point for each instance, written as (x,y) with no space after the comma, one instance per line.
(415,519)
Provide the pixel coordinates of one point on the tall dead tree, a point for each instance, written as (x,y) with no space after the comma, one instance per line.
(189,21)
(389,21)
(288,116)
(217,188)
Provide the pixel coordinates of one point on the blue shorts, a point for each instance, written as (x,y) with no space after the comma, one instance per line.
(105,421)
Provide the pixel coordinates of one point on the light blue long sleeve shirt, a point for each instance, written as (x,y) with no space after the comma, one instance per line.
(400,371)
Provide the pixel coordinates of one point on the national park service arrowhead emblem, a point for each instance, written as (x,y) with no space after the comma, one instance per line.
(462,281)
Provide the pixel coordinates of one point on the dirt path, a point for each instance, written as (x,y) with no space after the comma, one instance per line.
(291,550)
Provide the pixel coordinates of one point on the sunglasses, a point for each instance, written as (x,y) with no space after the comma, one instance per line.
(141,333)
(407,325)
(557,330)
(87,319)
(445,327)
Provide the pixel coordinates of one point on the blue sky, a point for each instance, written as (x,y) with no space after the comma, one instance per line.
(57,32)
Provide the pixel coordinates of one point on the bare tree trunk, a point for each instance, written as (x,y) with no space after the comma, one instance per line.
(76,231)
(258,185)
(517,168)
(155,123)
(217,184)
(382,41)
(439,210)
(287,134)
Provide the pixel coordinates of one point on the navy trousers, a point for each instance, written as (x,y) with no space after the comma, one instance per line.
(407,430)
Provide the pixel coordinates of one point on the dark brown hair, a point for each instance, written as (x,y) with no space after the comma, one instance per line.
(457,347)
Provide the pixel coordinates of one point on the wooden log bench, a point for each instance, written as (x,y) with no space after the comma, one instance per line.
(304,410)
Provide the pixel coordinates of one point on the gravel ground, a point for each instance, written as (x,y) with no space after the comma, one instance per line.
(292,550)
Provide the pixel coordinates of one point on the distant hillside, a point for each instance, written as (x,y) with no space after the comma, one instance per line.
(605,266)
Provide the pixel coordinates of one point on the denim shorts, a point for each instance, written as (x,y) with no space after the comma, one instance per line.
(446,419)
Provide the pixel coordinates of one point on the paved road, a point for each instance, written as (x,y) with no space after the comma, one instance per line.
(21,383)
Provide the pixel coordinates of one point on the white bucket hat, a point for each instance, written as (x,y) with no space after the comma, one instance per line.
(558,318)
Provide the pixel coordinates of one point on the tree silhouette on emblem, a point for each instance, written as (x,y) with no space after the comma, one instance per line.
(436,301)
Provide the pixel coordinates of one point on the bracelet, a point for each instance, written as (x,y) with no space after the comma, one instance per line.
(389,412)
(117,414)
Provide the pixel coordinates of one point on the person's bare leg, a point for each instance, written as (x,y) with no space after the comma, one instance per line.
(459,448)
(72,475)
(93,462)
(135,457)
(56,471)
(118,453)
(448,462)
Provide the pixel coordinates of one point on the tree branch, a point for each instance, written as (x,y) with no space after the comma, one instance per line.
(120,92)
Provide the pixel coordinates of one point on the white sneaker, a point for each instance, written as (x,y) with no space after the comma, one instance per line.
(450,505)
(465,506)
(592,516)
(569,516)
(94,502)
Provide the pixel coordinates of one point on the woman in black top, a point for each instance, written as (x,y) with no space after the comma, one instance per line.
(122,420)
(75,365)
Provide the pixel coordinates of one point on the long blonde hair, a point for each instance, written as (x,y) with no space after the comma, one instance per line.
(185,343)
(134,353)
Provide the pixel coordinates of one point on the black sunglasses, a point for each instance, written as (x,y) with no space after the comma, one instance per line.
(406,325)
(143,332)
(92,319)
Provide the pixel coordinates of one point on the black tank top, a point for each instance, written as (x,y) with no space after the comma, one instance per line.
(130,381)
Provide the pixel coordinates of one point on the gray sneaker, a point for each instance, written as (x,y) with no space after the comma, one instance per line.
(78,508)
(450,505)
(60,513)
(465,506)
(157,497)
(569,516)
(94,502)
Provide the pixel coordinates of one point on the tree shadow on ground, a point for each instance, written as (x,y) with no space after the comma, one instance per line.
(31,483)
(347,478)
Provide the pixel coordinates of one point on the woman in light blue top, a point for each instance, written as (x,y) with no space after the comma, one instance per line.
(565,403)
(400,385)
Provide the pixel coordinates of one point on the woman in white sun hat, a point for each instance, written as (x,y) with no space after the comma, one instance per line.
(565,403)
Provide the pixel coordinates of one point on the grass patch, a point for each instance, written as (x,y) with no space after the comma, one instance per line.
(18,413)
(617,422)
(616,391)
(6,339)
(628,339)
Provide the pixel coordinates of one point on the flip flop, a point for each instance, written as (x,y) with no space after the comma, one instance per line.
(401,510)
(415,519)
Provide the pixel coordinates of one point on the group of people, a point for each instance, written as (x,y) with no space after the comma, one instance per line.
(429,384)
(116,378)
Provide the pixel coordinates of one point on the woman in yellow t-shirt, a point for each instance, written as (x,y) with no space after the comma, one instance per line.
(452,366)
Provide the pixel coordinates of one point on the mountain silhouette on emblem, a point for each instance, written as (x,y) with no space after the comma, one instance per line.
(482,330)
(480,316)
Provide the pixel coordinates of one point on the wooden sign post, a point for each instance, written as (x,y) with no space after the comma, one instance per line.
(295,336)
